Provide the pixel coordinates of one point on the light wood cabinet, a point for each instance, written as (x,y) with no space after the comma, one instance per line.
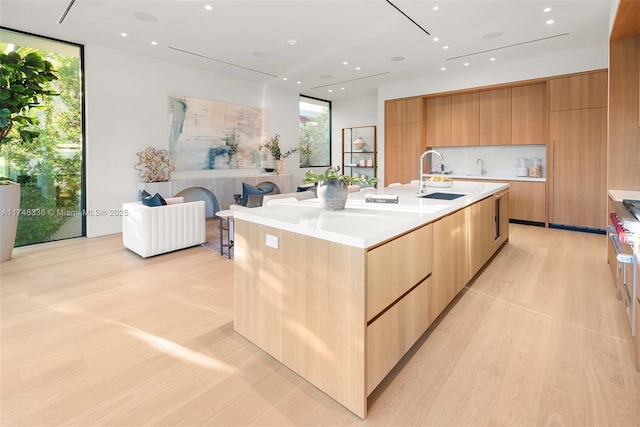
(589,90)
(393,334)
(482,217)
(638,335)
(495,117)
(403,147)
(405,110)
(611,253)
(395,267)
(465,119)
(438,122)
(529,114)
(528,201)
(451,262)
(579,159)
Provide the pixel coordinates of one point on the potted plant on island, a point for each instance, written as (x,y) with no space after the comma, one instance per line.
(333,187)
(23,85)
(273,145)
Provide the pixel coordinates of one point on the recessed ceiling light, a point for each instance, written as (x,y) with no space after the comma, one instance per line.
(442,69)
(330,90)
(145,17)
(341,88)
(358,68)
(292,42)
(435,39)
(284,78)
(435,8)
(397,58)
(445,47)
(123,34)
(547,9)
(154,43)
(208,7)
(492,59)
(345,63)
(466,64)
(299,82)
(325,76)
(550,21)
(493,35)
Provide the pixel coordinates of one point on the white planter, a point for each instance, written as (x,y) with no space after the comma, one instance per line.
(9,213)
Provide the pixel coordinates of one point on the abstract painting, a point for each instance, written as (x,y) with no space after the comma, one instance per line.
(205,134)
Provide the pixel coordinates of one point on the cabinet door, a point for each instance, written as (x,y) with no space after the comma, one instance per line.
(403,147)
(465,119)
(580,91)
(482,233)
(579,154)
(438,121)
(528,201)
(395,267)
(495,117)
(451,262)
(406,110)
(529,117)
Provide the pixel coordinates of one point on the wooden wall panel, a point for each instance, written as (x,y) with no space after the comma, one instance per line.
(624,127)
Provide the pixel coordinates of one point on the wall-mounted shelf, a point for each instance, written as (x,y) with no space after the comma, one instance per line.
(359,151)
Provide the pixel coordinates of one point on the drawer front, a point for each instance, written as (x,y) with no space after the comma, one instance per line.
(391,335)
(395,267)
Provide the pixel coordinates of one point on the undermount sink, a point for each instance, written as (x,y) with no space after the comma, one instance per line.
(442,196)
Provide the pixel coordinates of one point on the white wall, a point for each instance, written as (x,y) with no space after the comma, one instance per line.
(351,112)
(126,112)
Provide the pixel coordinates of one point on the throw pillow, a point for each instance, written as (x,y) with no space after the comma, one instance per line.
(174,200)
(144,194)
(251,190)
(155,200)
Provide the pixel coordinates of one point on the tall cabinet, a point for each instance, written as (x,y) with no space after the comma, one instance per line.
(578,137)
(403,139)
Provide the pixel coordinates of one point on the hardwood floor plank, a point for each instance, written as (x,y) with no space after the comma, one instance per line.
(92,334)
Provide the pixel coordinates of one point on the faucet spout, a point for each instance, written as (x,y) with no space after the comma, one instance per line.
(422,166)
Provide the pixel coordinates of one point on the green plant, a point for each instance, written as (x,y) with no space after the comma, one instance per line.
(23,86)
(333,173)
(273,145)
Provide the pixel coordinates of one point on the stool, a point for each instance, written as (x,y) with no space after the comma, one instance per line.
(226,215)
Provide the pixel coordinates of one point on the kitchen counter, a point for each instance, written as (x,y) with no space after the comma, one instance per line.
(620,195)
(340,297)
(363,224)
(494,177)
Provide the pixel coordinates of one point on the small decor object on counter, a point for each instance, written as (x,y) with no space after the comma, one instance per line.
(381,198)
(273,145)
(523,170)
(439,181)
(332,187)
(154,165)
(535,169)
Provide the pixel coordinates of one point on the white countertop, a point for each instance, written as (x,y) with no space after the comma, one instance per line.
(363,224)
(620,195)
(493,177)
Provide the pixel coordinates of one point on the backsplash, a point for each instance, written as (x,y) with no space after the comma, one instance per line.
(498,160)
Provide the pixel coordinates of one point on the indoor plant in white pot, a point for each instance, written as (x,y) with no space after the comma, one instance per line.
(333,187)
(23,85)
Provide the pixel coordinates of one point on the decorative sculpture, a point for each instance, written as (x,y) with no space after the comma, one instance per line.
(154,165)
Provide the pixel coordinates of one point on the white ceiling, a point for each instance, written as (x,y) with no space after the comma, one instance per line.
(248,39)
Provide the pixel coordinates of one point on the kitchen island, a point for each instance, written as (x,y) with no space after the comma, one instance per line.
(340,297)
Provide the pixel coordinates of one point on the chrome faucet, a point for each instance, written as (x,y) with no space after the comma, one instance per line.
(422,174)
(482,171)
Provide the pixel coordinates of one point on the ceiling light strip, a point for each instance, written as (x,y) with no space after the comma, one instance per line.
(408,17)
(64,15)
(352,80)
(504,47)
(222,62)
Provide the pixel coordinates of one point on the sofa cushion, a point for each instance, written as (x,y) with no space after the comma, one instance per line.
(174,200)
(252,190)
(155,200)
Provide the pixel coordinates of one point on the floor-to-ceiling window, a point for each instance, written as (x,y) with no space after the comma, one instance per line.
(315,132)
(50,166)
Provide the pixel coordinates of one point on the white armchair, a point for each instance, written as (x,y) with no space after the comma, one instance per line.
(150,231)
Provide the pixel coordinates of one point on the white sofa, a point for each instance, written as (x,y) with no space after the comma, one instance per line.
(150,231)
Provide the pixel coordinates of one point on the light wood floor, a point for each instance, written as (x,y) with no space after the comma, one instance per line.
(92,334)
